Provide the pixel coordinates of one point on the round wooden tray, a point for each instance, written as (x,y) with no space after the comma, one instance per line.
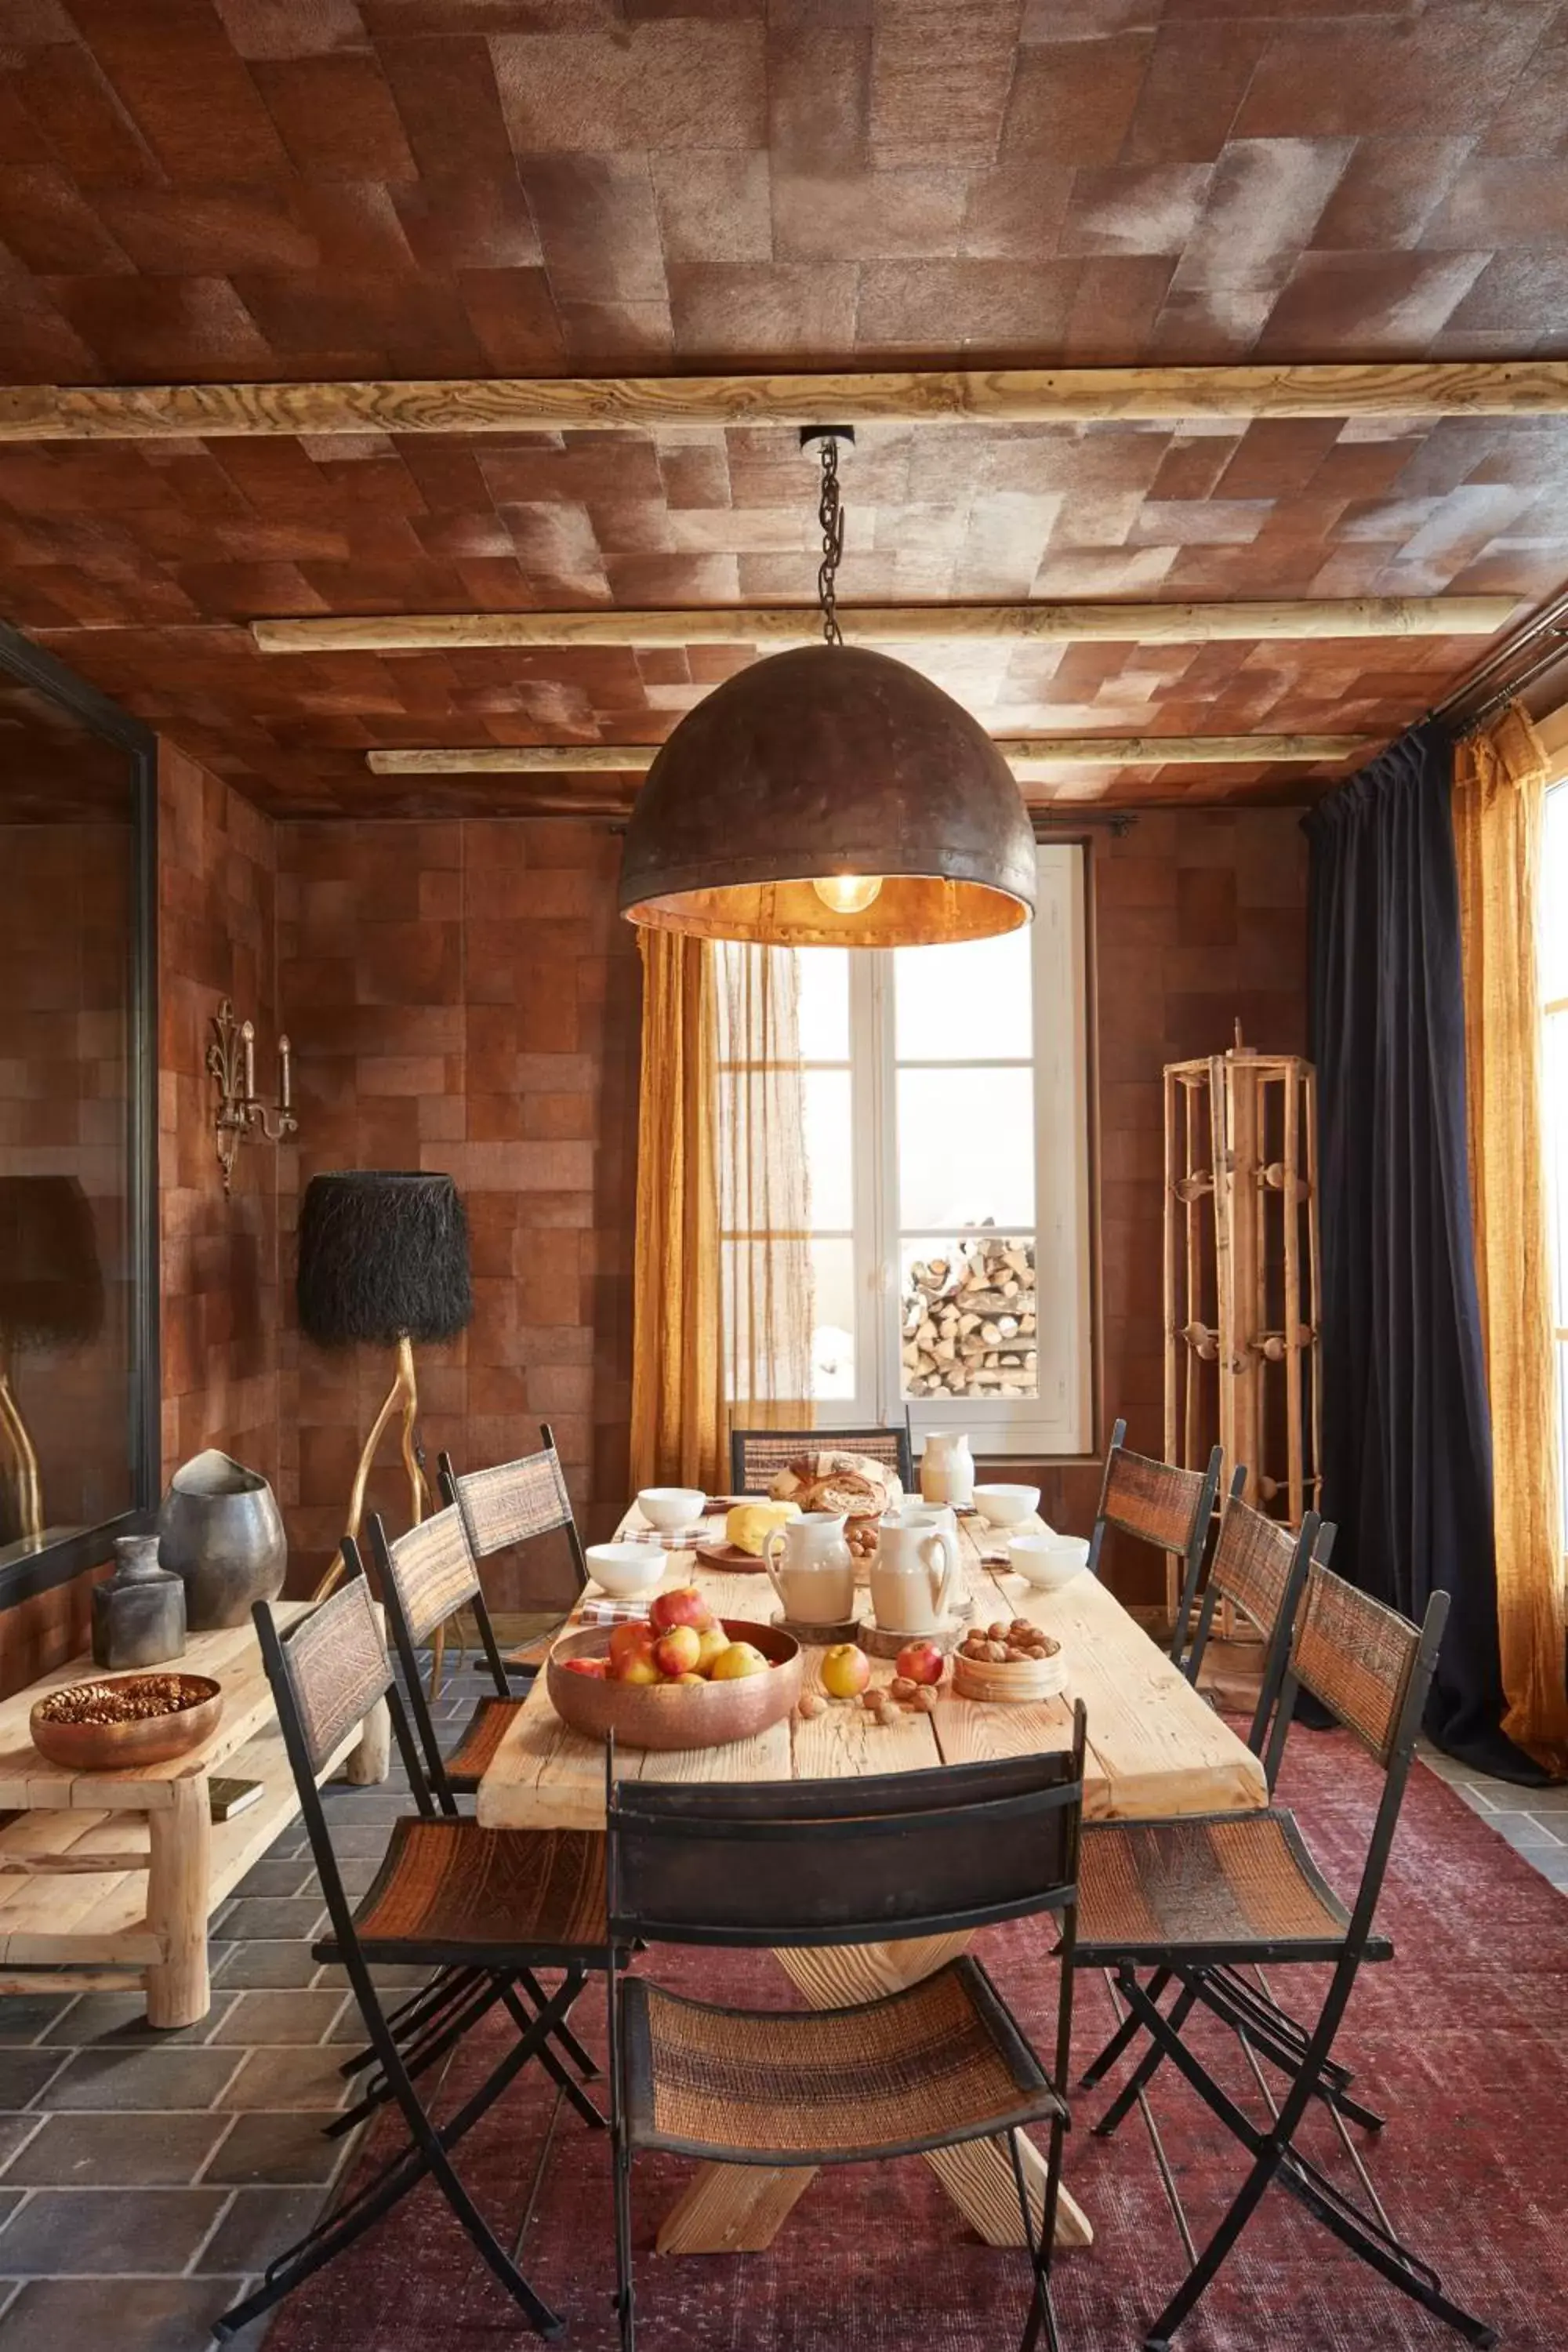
(880,1644)
(817,1637)
(732,1559)
(1024,1680)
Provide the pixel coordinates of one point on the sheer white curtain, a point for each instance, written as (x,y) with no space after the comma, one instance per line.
(764,1191)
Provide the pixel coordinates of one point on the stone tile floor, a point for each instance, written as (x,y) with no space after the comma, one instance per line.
(1533,1820)
(145,2178)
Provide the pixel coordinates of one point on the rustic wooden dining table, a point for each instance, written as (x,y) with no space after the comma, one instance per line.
(1154,1747)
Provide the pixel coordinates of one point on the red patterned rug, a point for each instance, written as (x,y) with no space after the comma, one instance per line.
(1462,2042)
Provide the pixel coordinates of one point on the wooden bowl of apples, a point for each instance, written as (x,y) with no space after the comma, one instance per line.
(684,1679)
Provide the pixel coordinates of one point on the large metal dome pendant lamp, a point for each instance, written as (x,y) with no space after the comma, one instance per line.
(830,796)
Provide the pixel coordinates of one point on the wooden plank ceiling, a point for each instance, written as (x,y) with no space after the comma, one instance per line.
(253,191)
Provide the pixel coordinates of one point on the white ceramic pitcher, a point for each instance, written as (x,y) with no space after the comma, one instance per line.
(914,1577)
(810,1567)
(947,1469)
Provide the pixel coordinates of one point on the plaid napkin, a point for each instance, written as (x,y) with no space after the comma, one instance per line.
(605,1611)
(681,1539)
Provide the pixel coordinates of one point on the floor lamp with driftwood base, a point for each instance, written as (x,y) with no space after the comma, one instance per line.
(1241,1281)
(383,1261)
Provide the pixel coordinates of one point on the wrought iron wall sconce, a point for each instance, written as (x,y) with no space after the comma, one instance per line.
(241,1114)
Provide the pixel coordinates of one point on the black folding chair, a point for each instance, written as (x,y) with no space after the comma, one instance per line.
(1156,1504)
(1199,1897)
(775,1863)
(1260,1566)
(512,1503)
(757,1455)
(448,1895)
(425,1577)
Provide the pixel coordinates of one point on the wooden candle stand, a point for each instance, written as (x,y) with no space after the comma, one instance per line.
(1241,1275)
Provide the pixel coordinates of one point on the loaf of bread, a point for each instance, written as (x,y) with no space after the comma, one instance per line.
(851,1482)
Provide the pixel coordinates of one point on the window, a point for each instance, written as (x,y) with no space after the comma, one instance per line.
(1552,971)
(942,1104)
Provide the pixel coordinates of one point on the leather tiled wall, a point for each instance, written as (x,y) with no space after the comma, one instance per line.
(464,996)
(216,919)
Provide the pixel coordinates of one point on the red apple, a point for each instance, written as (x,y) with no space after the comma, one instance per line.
(678,1652)
(920,1662)
(596,1669)
(683,1606)
(633,1639)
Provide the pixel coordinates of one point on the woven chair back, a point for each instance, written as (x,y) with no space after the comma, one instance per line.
(757,1455)
(1357,1655)
(433,1570)
(1153,1500)
(845,1862)
(512,1502)
(337,1666)
(1252,1562)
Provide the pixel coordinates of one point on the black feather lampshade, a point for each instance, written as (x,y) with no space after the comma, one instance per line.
(382,1256)
(384,1259)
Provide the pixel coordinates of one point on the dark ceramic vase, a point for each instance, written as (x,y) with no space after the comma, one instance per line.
(220,1530)
(139,1612)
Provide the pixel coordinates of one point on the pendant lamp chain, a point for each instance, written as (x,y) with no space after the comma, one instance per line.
(830,515)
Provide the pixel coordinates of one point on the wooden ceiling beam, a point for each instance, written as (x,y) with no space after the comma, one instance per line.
(598,404)
(1027,755)
(1137,624)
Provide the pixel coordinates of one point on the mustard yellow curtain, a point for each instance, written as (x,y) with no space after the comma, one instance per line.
(678,1369)
(1499,778)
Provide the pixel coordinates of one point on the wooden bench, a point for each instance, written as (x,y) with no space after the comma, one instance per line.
(109,1879)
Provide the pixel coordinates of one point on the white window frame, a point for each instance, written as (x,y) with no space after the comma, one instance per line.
(1056,1420)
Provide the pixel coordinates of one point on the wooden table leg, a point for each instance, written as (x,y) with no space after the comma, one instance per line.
(730,2208)
(178,1881)
(371,1761)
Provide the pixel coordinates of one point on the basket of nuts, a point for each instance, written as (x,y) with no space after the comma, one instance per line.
(1008,1661)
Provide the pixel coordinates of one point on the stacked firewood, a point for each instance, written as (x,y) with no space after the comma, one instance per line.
(969,1322)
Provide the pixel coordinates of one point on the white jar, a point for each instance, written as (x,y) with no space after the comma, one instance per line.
(947,1469)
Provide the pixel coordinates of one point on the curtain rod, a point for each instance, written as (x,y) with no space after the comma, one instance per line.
(1551,622)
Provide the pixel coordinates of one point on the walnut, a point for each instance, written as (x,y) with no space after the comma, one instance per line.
(902,1687)
(928,1699)
(996,1653)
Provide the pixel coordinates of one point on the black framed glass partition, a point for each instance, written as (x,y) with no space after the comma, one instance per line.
(79,1196)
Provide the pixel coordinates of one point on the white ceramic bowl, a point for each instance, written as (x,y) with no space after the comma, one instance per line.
(1048,1561)
(624,1569)
(1004,1506)
(670,1508)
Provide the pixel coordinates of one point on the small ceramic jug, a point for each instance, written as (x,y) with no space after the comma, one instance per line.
(914,1577)
(810,1567)
(947,1469)
(139,1612)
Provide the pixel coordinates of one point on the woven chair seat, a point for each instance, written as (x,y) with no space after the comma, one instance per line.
(1214,1888)
(938,2062)
(482,1735)
(448,1890)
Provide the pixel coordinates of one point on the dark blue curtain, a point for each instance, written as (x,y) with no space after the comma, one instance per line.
(1406,1465)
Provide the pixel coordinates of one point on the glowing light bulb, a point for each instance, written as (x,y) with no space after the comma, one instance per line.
(847,894)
